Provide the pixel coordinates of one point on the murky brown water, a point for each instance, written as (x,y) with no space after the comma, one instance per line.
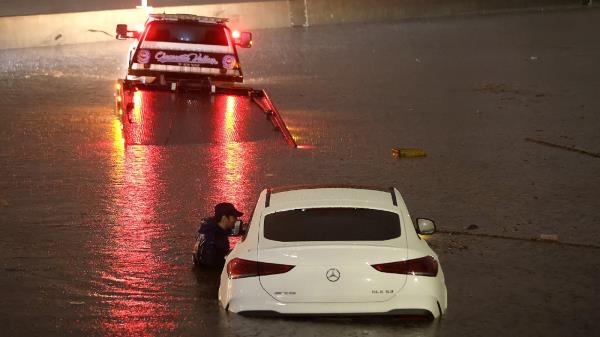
(96,235)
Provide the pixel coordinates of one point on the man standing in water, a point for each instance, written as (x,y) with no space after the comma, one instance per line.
(213,237)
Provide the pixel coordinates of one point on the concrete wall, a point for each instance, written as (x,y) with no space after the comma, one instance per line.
(69,28)
(318,12)
(37,7)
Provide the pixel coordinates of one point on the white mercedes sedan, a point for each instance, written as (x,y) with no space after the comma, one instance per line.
(333,250)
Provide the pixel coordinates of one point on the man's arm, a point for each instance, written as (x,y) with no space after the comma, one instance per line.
(208,253)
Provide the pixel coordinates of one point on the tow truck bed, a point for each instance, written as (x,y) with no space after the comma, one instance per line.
(151,115)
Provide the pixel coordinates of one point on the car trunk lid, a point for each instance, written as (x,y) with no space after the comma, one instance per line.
(332,273)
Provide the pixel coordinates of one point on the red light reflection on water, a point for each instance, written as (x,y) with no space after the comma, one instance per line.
(132,283)
(136,117)
(306,147)
(135,282)
(230,156)
(234,160)
(140,118)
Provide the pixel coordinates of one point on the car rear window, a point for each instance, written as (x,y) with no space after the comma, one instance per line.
(332,224)
(184,32)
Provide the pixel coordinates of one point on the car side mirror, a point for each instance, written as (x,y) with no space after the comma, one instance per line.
(245,40)
(425,226)
(123,33)
(237,229)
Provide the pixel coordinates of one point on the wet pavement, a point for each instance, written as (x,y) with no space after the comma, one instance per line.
(97,235)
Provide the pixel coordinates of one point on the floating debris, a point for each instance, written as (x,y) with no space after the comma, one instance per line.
(549,237)
(408,153)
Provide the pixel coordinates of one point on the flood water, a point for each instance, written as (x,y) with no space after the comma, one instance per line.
(97,232)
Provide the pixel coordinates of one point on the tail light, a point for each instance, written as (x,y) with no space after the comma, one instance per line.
(240,268)
(424,266)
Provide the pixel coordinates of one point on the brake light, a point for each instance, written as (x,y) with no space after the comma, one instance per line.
(240,268)
(235,34)
(424,266)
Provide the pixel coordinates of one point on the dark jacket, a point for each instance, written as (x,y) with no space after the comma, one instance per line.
(216,244)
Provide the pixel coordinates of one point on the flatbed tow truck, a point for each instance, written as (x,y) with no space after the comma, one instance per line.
(179,58)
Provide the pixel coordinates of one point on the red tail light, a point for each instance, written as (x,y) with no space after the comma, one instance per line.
(240,268)
(424,266)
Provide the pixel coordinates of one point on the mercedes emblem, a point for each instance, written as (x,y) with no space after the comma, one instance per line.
(332,275)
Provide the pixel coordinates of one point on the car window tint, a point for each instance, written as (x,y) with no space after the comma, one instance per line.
(332,224)
(182,32)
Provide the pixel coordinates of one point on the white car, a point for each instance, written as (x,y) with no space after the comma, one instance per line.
(327,250)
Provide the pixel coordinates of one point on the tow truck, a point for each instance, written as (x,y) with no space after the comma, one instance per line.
(184,54)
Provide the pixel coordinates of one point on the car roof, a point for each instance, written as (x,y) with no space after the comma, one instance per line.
(186,17)
(331,195)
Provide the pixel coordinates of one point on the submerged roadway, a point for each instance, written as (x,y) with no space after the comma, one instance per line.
(96,235)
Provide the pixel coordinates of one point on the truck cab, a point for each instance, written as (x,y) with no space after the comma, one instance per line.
(180,47)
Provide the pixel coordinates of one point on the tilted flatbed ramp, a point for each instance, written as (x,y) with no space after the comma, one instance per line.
(162,117)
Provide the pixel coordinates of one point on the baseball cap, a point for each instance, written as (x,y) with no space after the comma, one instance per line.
(226,208)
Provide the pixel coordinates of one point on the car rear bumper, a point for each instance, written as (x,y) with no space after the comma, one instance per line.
(174,76)
(396,312)
(417,305)
(421,296)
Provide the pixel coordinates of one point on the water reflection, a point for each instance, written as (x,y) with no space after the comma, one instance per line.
(135,117)
(379,326)
(165,118)
(133,281)
(118,149)
(232,158)
(229,156)
(137,281)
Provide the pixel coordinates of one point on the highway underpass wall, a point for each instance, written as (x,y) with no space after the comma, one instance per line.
(319,12)
(93,26)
